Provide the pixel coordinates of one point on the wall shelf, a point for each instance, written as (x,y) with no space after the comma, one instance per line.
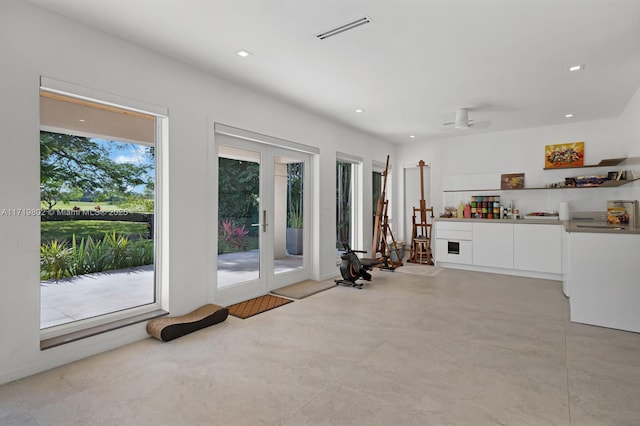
(608,162)
(607,184)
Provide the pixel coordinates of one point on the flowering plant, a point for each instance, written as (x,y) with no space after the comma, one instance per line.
(234,235)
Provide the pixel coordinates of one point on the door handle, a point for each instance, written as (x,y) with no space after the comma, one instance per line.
(264,221)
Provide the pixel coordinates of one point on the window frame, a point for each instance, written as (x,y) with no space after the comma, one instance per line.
(122,317)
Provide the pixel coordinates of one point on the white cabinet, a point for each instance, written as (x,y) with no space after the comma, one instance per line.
(493,245)
(538,248)
(503,247)
(603,278)
(453,242)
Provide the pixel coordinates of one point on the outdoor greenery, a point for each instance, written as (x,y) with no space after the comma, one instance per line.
(295,180)
(238,190)
(295,217)
(59,259)
(238,203)
(377,193)
(233,237)
(343,203)
(75,167)
(63,230)
(83,205)
(132,203)
(86,174)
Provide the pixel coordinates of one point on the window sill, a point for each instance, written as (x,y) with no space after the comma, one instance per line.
(103,328)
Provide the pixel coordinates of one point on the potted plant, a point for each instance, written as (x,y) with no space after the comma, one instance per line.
(294,231)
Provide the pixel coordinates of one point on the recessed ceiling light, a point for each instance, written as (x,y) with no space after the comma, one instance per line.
(568,115)
(81,120)
(243,53)
(412,136)
(576,68)
(359,110)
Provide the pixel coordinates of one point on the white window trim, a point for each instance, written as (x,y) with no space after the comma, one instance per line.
(161,204)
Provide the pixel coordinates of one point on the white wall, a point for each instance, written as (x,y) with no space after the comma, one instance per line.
(629,125)
(477,160)
(35,42)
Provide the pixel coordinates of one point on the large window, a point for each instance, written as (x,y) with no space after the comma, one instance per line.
(98,217)
(376,186)
(347,202)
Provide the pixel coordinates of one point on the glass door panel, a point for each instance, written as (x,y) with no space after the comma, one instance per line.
(289,209)
(239,214)
(261,212)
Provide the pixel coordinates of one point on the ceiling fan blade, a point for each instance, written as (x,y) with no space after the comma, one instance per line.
(459,125)
(479,125)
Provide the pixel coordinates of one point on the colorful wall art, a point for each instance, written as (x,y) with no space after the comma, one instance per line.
(570,154)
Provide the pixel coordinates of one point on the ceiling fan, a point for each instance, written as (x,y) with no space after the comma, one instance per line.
(462,121)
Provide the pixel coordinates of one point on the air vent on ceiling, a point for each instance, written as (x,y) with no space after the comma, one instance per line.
(343,28)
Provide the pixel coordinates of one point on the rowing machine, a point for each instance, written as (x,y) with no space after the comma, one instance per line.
(353,268)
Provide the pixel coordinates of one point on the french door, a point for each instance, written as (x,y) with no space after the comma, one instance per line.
(263,243)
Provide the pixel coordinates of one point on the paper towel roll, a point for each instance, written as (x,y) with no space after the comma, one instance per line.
(563,211)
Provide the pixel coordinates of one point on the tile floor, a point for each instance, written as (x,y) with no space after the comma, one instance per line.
(458,348)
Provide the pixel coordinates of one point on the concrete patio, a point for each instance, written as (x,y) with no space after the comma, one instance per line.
(91,295)
(86,296)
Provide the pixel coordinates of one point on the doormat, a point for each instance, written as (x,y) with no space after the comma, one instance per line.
(304,289)
(256,306)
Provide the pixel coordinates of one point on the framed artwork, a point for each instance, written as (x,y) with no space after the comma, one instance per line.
(570,154)
(512,181)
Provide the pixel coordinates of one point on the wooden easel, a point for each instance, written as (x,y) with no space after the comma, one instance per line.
(421,231)
(381,249)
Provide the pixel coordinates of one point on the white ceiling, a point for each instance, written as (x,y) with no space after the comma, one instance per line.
(409,69)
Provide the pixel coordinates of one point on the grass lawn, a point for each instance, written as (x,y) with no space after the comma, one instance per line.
(62,230)
(84,205)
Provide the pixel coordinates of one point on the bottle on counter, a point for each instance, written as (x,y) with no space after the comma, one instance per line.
(460,212)
(467,211)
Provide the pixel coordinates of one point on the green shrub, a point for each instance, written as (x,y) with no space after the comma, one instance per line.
(118,250)
(141,252)
(87,256)
(56,259)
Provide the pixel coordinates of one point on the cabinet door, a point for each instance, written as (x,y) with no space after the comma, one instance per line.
(453,251)
(493,244)
(538,248)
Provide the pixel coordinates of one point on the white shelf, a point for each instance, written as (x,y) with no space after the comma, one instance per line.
(607,184)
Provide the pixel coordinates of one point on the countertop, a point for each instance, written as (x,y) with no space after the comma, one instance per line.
(537,221)
(598,227)
(590,226)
